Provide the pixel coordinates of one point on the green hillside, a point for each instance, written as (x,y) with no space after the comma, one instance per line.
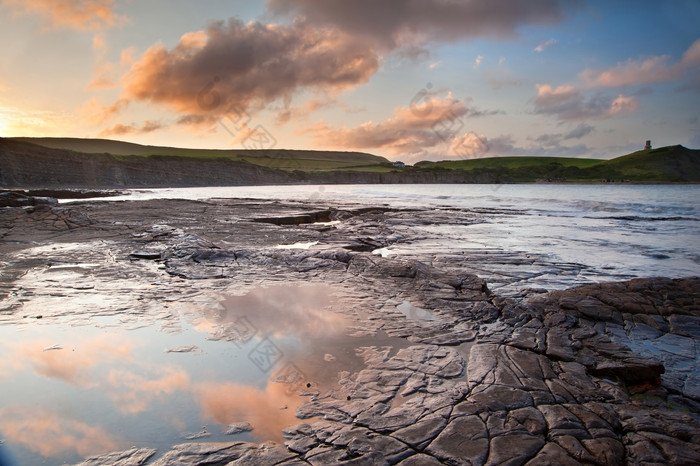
(672,163)
(510,162)
(272,158)
(665,164)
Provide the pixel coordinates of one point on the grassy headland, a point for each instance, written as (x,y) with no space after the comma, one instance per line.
(672,164)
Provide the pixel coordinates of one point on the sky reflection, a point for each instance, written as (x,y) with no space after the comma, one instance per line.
(67,389)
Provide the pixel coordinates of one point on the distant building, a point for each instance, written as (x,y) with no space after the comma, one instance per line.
(399,165)
(647,146)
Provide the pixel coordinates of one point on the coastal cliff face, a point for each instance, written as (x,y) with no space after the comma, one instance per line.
(24,165)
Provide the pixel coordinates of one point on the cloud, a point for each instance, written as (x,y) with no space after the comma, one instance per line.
(97,113)
(644,71)
(469,146)
(478,60)
(226,403)
(134,392)
(398,23)
(120,129)
(427,122)
(105,77)
(73,366)
(246,65)
(500,77)
(550,140)
(568,103)
(505,145)
(632,72)
(82,15)
(580,131)
(51,434)
(545,45)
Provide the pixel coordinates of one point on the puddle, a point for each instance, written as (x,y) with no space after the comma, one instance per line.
(73,391)
(384,252)
(328,224)
(297,245)
(414,313)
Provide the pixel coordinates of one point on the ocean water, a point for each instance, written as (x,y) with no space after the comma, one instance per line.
(614,231)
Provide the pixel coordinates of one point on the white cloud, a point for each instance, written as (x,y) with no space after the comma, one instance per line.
(545,45)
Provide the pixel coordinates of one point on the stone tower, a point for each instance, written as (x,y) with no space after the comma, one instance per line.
(647,146)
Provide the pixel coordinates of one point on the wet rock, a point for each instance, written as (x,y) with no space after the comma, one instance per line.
(422,431)
(225,453)
(238,428)
(420,459)
(571,376)
(464,439)
(22,199)
(131,457)
(146,254)
(514,448)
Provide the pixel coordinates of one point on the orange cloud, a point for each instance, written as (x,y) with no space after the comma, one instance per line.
(226,403)
(427,122)
(73,366)
(82,15)
(239,64)
(119,129)
(50,434)
(97,113)
(104,77)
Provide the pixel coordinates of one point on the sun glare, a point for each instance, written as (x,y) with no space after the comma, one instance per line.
(4,126)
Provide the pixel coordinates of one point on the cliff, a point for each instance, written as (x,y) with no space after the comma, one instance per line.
(28,165)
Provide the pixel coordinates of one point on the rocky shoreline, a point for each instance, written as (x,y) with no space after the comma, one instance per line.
(503,374)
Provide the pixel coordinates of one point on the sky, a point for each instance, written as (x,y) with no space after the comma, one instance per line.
(409,80)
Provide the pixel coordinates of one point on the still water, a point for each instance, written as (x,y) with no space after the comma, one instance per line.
(70,391)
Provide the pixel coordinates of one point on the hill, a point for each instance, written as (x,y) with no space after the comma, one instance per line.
(662,165)
(272,158)
(24,164)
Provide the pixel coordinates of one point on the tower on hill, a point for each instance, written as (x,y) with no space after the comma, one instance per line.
(647,146)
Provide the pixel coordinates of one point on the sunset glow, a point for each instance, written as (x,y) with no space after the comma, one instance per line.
(417,81)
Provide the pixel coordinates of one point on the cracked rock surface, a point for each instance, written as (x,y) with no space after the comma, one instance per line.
(594,374)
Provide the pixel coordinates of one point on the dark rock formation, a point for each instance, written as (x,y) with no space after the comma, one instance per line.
(597,374)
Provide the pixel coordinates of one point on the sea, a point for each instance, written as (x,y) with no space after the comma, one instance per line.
(615,231)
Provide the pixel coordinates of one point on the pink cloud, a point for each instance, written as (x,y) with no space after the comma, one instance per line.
(133,392)
(643,71)
(413,130)
(568,103)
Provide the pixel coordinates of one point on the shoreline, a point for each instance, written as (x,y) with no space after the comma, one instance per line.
(498,376)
